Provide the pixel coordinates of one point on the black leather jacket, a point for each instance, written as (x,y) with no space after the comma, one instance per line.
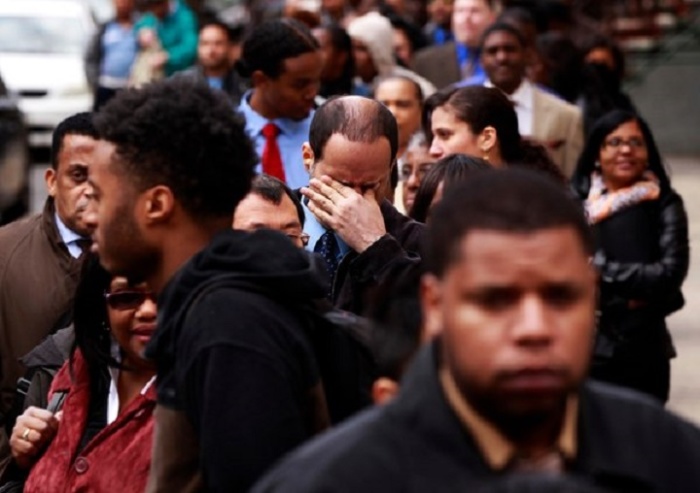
(643,255)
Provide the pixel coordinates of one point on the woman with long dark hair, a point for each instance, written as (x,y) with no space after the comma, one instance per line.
(641,229)
(481,122)
(101,438)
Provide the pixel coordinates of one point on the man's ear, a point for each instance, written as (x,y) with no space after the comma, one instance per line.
(50,177)
(431,304)
(158,204)
(307,155)
(258,79)
(383,390)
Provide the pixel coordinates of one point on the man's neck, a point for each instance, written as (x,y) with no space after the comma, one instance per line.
(510,90)
(532,436)
(219,72)
(184,245)
(257,102)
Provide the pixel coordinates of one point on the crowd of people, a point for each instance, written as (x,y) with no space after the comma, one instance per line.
(360,249)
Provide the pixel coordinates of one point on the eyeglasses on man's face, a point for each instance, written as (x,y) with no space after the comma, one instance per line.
(299,238)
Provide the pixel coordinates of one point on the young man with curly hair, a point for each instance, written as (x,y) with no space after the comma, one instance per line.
(283,61)
(237,379)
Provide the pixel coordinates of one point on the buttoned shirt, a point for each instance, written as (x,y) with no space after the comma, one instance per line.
(292,134)
(524,100)
(69,237)
(315,230)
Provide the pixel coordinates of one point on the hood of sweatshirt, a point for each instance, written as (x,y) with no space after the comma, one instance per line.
(377,35)
(263,261)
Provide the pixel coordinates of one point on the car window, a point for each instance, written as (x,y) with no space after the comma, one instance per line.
(42,35)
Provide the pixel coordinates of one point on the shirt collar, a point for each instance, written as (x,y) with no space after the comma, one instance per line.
(315,230)
(255,121)
(523,95)
(495,448)
(67,235)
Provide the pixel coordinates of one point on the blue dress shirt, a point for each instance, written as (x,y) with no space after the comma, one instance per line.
(292,134)
(69,237)
(315,230)
(464,55)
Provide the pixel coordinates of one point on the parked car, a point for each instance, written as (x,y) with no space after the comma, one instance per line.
(14,159)
(42,48)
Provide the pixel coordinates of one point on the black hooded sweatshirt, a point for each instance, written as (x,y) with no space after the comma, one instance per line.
(234,360)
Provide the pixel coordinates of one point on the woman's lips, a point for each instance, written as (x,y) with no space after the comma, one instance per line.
(144,330)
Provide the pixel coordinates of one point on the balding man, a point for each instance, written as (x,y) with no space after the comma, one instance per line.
(362,238)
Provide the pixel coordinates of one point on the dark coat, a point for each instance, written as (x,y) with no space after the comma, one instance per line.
(118,458)
(398,250)
(438,64)
(644,254)
(38,278)
(417,444)
(238,381)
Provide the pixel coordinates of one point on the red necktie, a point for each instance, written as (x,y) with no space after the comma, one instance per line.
(271,158)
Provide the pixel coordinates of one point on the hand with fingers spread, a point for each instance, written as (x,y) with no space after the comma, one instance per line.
(32,431)
(356,218)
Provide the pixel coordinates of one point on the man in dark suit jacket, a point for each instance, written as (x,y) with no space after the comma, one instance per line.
(511,299)
(363,239)
(449,63)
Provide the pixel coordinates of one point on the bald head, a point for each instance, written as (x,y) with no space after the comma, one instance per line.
(355,118)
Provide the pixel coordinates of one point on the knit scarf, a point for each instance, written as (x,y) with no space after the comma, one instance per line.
(602,203)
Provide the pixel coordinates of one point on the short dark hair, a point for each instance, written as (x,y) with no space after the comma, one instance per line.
(182,134)
(220,25)
(508,200)
(581,179)
(271,43)
(416,86)
(480,107)
(273,190)
(501,26)
(600,41)
(452,169)
(78,124)
(356,122)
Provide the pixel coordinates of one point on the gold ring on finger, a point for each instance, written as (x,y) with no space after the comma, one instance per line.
(25,435)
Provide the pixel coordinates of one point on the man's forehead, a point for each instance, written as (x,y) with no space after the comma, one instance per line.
(553,252)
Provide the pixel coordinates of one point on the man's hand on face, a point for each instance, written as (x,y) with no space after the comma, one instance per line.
(356,218)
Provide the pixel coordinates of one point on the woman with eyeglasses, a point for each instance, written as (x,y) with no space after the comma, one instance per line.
(641,231)
(100,440)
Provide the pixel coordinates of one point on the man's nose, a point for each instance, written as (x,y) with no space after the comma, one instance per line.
(532,326)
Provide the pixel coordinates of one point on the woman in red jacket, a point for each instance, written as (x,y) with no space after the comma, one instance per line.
(101,438)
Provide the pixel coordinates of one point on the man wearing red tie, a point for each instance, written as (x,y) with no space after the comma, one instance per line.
(284,62)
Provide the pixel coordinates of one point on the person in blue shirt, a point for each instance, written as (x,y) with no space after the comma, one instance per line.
(213,61)
(446,64)
(111,54)
(283,61)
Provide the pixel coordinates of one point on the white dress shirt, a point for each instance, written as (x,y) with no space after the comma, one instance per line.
(524,100)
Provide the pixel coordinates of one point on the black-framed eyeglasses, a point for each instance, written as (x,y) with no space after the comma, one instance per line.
(128,300)
(617,142)
(302,237)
